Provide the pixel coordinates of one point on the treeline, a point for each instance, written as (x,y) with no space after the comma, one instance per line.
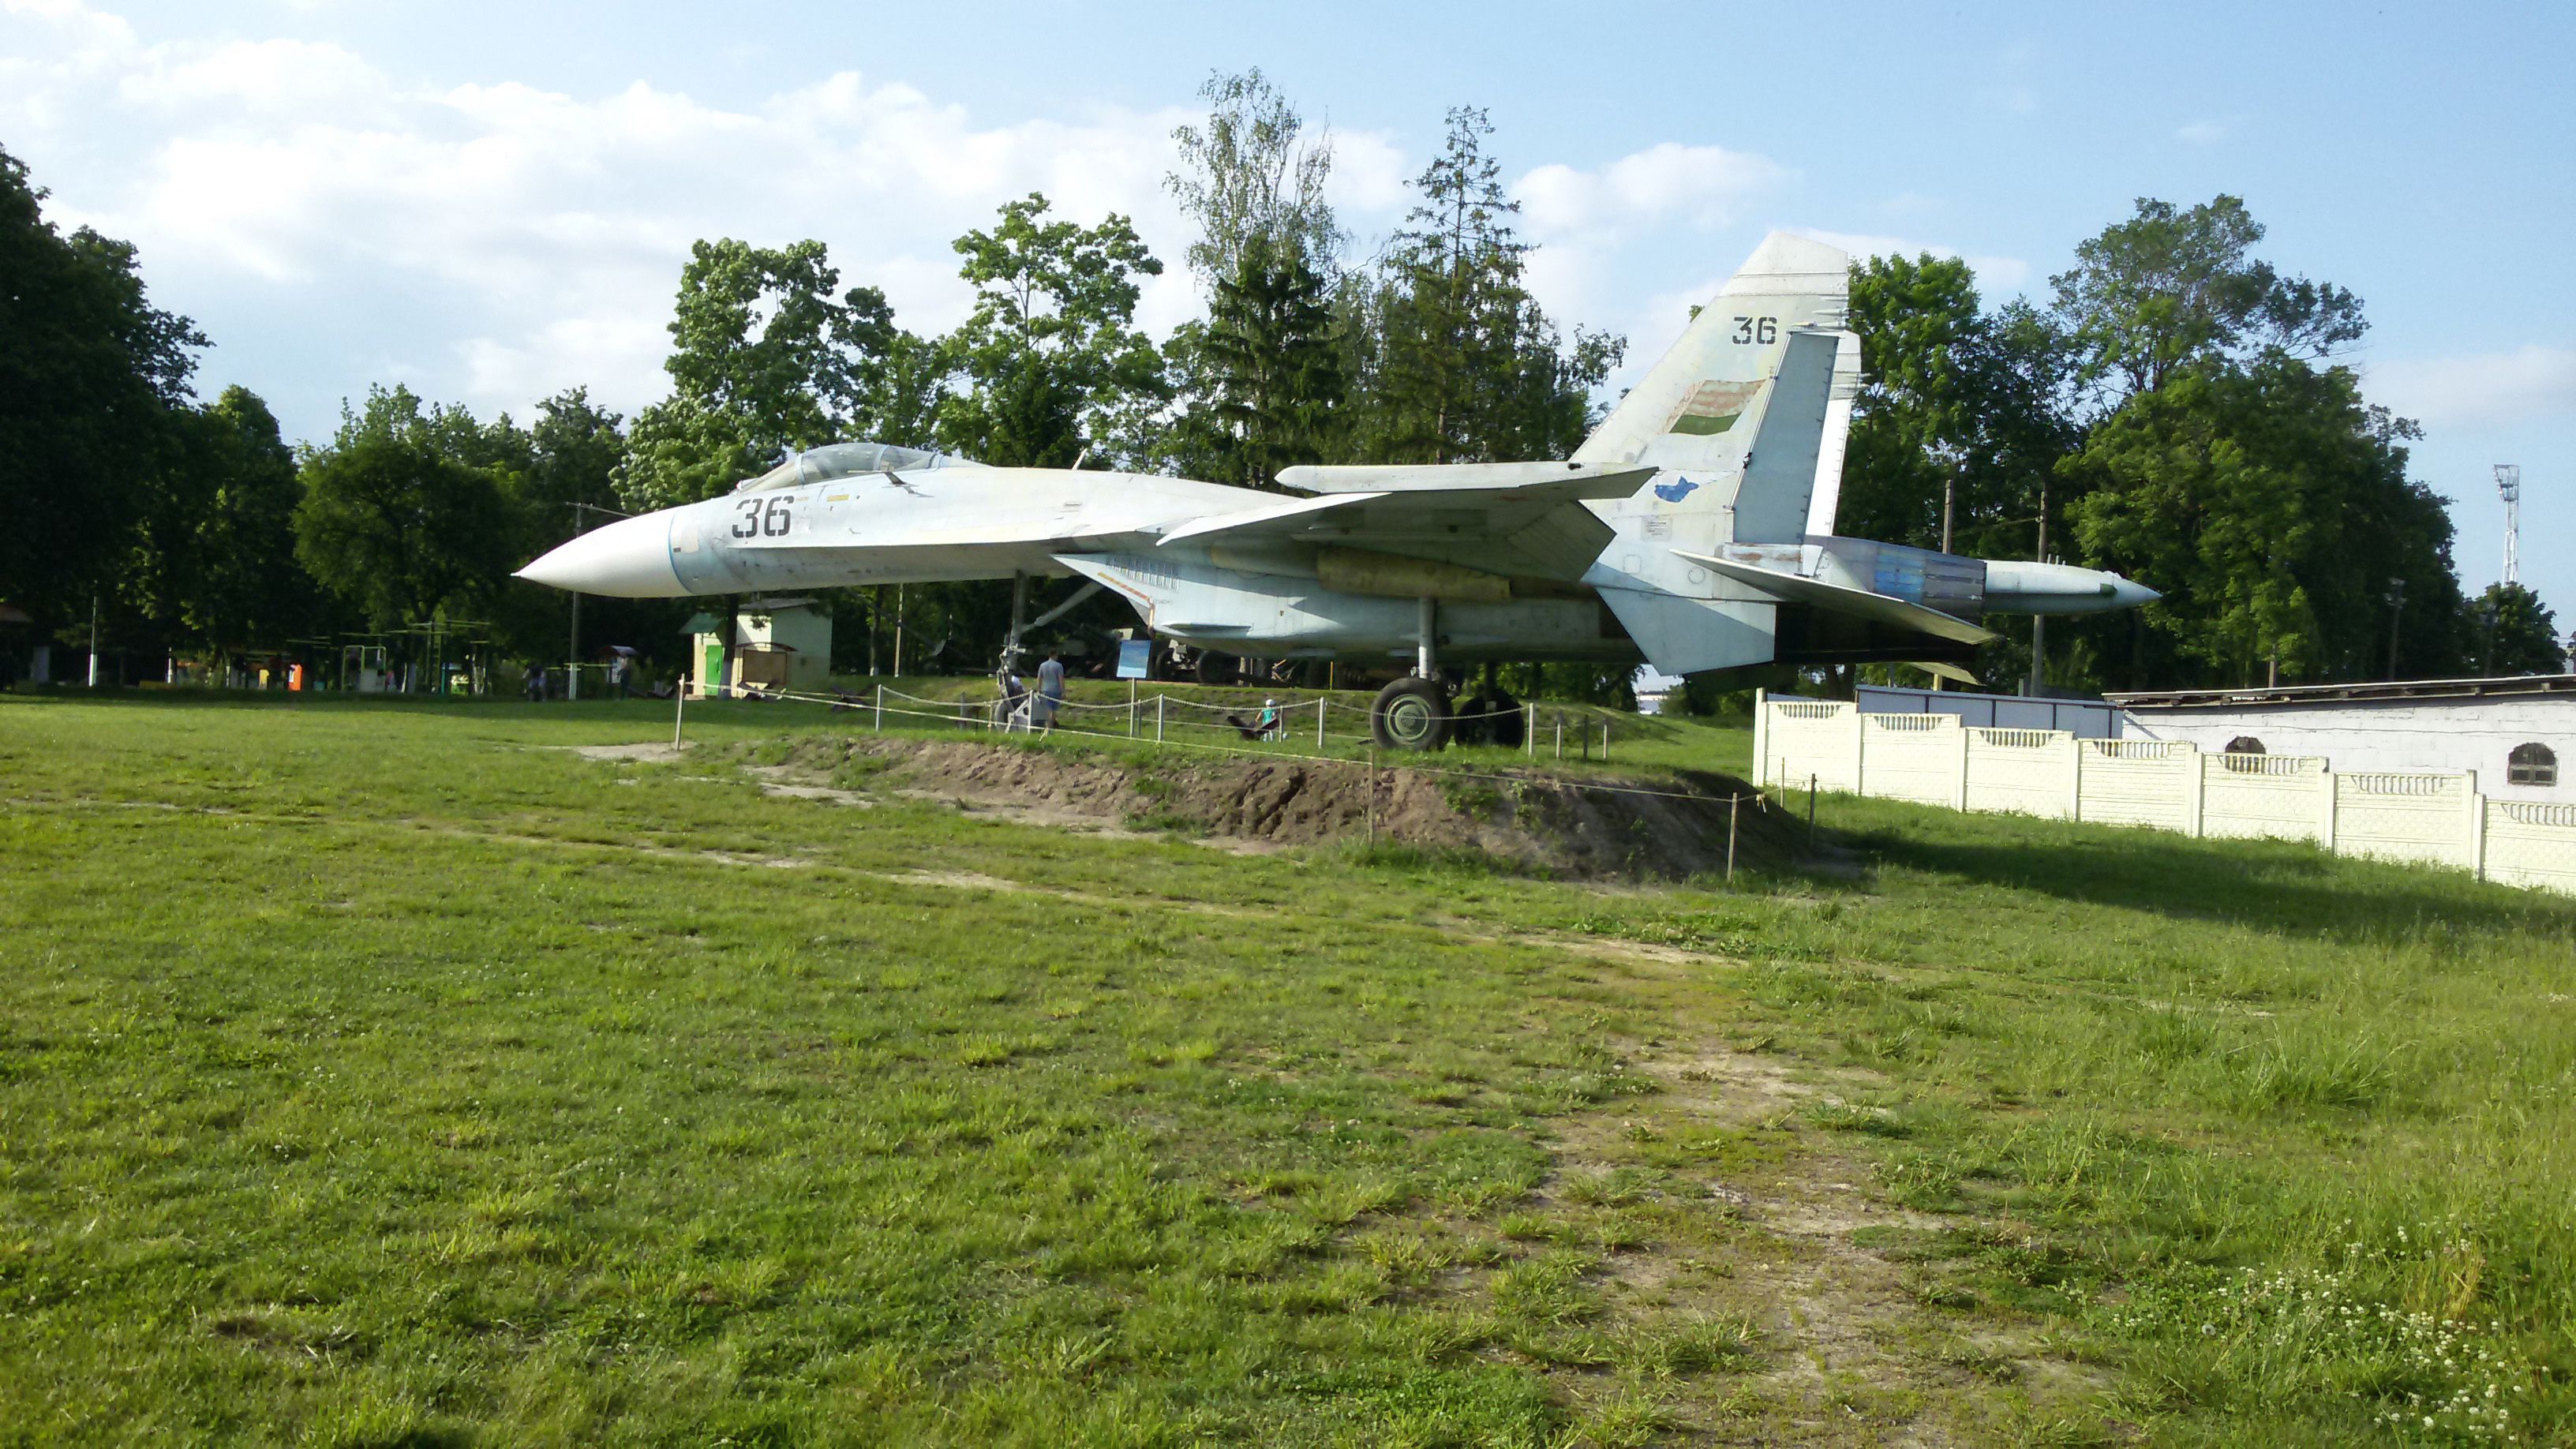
(2174,412)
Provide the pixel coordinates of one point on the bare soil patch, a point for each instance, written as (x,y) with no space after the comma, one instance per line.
(1604,828)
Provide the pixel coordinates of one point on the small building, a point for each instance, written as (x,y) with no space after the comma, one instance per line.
(2518,734)
(779,644)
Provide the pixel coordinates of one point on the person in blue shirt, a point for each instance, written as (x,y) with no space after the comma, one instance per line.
(1050,689)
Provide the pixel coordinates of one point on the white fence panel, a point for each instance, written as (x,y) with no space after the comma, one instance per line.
(2409,817)
(2530,843)
(2026,772)
(2285,797)
(2138,782)
(1819,737)
(1910,757)
(2431,818)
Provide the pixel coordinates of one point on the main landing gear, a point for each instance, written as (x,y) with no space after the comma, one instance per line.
(1416,713)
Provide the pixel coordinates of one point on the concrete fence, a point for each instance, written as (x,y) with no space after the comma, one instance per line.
(2426,817)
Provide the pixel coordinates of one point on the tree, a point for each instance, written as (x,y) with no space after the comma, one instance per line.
(2272,508)
(1051,351)
(1449,357)
(767,360)
(215,543)
(396,525)
(90,373)
(2152,294)
(1262,377)
(1252,181)
(2513,632)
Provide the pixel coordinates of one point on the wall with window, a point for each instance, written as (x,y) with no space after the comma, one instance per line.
(2480,733)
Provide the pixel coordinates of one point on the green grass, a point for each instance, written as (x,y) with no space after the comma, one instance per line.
(377,1074)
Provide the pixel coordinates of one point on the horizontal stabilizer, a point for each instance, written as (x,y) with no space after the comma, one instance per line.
(1834,598)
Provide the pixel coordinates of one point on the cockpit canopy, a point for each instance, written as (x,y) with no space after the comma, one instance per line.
(844,460)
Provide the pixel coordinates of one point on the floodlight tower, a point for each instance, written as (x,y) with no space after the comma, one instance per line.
(2509,487)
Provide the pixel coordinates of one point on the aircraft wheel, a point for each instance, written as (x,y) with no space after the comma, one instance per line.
(1505,725)
(1410,714)
(1215,668)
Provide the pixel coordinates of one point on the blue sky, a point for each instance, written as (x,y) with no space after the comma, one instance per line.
(491,201)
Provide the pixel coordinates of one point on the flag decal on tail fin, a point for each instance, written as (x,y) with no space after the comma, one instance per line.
(1675,491)
(1712,408)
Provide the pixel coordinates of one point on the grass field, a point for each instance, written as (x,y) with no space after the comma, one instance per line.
(379,1075)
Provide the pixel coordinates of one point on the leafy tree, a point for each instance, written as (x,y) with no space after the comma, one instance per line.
(767,359)
(394,523)
(1051,351)
(1450,358)
(2272,508)
(2513,632)
(2152,294)
(213,552)
(90,373)
(1253,181)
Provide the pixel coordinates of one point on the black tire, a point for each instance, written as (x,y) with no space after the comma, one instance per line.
(1505,725)
(1410,714)
(1215,668)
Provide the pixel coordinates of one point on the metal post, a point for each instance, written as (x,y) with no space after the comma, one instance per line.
(1560,737)
(1131,709)
(572,685)
(1319,722)
(1427,622)
(880,709)
(1158,718)
(679,708)
(93,641)
(1605,742)
(1529,730)
(1733,803)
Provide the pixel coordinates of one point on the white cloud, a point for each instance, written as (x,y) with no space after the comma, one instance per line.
(2006,274)
(1702,186)
(2486,389)
(2202,133)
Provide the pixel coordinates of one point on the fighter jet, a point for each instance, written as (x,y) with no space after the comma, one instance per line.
(1694,530)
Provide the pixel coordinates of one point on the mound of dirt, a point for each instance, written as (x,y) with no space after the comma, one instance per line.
(1592,827)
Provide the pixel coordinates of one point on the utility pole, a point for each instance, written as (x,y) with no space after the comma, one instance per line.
(93,639)
(2396,614)
(2039,622)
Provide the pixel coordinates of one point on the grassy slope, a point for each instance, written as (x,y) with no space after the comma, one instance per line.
(366,1075)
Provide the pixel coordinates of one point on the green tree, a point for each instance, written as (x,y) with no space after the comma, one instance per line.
(766,359)
(90,376)
(1448,357)
(395,524)
(1051,352)
(214,549)
(2272,508)
(2513,632)
(2150,295)
(1252,180)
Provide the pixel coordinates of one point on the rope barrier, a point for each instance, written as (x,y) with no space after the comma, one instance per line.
(954,713)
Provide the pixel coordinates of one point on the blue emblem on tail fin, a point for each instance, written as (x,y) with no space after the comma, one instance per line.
(1675,491)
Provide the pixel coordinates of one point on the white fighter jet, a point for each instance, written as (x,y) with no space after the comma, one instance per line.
(1693,531)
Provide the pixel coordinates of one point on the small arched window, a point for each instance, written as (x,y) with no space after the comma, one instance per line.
(2244,745)
(2531,765)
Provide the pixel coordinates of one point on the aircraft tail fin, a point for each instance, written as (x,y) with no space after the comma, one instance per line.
(1758,386)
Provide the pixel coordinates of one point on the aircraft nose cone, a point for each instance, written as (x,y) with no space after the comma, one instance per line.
(2129,594)
(628,559)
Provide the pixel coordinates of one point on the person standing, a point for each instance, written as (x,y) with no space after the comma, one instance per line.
(1050,689)
(536,682)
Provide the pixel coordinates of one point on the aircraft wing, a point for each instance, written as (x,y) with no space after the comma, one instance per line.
(1534,528)
(1860,603)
